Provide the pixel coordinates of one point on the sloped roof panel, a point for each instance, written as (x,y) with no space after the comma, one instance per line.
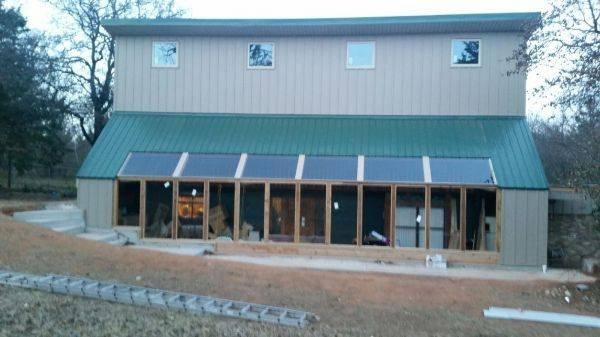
(507,141)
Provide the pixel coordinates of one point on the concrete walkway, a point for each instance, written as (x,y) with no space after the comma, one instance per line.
(471,271)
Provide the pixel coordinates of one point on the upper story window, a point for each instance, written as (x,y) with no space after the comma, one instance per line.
(165,54)
(466,52)
(360,55)
(261,55)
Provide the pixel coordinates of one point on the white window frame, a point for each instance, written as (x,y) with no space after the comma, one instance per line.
(248,56)
(349,66)
(455,65)
(176,65)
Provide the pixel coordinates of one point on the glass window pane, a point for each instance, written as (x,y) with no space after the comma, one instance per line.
(211,165)
(260,55)
(220,217)
(312,214)
(481,220)
(361,55)
(330,168)
(343,214)
(394,169)
(159,210)
(461,170)
(410,218)
(273,167)
(129,203)
(252,212)
(445,218)
(376,216)
(165,54)
(148,164)
(465,52)
(190,210)
(281,225)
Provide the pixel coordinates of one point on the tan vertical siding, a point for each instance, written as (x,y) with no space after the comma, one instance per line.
(412,76)
(524,227)
(95,199)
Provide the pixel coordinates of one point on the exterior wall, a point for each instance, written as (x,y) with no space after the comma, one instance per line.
(524,227)
(95,199)
(412,76)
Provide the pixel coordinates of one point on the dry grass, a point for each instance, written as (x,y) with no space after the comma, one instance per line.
(349,304)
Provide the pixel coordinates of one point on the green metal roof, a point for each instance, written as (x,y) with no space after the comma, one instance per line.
(325,26)
(506,140)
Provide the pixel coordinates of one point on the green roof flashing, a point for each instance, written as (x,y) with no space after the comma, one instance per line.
(506,140)
(447,18)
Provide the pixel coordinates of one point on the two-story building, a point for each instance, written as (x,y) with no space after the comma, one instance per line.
(391,137)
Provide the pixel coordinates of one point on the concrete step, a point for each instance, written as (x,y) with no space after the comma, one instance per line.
(107,236)
(69,229)
(120,241)
(58,223)
(48,215)
(103,236)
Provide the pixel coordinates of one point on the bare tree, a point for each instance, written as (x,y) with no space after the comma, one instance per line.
(565,45)
(88,52)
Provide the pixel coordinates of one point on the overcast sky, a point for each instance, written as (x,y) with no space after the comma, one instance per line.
(40,14)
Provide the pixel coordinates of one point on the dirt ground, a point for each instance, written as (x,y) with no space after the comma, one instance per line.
(349,304)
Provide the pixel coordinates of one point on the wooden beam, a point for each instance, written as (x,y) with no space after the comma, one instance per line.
(143,208)
(328,214)
(267,211)
(498,220)
(427,217)
(206,213)
(359,214)
(175,222)
(393,198)
(115,204)
(236,212)
(463,218)
(297,194)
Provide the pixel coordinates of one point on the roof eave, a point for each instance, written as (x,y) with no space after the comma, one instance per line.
(495,22)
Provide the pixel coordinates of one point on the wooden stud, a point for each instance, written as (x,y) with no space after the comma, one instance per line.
(297,213)
(359,214)
(427,217)
(463,218)
(498,220)
(175,221)
(393,198)
(328,214)
(236,212)
(267,211)
(115,204)
(143,208)
(206,213)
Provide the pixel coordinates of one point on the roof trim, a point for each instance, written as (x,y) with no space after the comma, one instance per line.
(316,116)
(325,26)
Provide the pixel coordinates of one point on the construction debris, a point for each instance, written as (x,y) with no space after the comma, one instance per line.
(542,316)
(436,261)
(170,300)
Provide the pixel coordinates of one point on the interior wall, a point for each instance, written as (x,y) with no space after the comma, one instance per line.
(95,199)
(524,226)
